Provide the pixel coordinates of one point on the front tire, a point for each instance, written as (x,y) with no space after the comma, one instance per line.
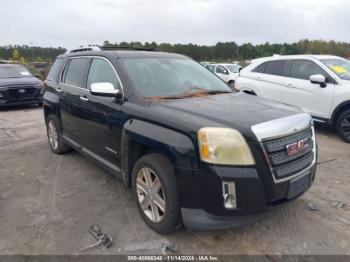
(343,125)
(53,127)
(155,192)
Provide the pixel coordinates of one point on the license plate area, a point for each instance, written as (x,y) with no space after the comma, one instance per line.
(298,186)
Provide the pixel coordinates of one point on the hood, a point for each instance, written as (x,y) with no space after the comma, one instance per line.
(239,111)
(30,81)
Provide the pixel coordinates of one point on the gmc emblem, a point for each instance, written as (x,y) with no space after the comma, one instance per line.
(296,147)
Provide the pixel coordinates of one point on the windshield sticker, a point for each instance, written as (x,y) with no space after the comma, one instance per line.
(24,73)
(339,69)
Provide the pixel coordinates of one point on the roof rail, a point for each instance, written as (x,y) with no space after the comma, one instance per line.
(86,48)
(100,48)
(128,48)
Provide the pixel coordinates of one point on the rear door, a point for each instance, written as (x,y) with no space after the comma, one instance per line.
(301,92)
(270,80)
(101,121)
(70,87)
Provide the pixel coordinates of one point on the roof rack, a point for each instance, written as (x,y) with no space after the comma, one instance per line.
(128,48)
(100,48)
(85,48)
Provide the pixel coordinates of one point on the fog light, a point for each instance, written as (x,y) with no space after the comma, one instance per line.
(229,194)
(1,95)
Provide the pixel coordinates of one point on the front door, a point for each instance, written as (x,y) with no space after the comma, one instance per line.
(299,91)
(101,123)
(222,72)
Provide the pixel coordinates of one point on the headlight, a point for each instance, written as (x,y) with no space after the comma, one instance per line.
(42,87)
(224,146)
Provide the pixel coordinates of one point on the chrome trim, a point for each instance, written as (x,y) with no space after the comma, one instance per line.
(90,56)
(111,150)
(319,120)
(284,127)
(92,154)
(85,99)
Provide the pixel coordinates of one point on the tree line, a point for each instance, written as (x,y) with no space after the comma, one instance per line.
(222,51)
(23,53)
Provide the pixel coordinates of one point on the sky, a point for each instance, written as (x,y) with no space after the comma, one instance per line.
(73,23)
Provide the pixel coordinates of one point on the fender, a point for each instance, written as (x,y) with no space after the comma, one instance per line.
(178,147)
(338,108)
(51,101)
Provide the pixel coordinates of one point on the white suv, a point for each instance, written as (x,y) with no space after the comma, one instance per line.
(227,72)
(319,84)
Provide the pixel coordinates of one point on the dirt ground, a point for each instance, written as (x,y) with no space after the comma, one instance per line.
(48,202)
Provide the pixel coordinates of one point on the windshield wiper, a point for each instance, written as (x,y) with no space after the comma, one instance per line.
(213,92)
(190,93)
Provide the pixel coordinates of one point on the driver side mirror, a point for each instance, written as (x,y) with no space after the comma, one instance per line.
(105,89)
(318,79)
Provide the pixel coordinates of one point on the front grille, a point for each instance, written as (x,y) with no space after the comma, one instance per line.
(284,165)
(19,94)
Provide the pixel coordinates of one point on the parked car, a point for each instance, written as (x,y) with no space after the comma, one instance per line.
(320,84)
(18,86)
(193,151)
(227,72)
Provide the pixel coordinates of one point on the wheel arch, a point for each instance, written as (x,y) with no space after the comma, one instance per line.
(140,138)
(50,104)
(338,110)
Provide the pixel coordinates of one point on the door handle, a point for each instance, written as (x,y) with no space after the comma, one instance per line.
(290,85)
(84,98)
(258,78)
(58,89)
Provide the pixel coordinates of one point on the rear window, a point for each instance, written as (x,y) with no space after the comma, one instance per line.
(271,68)
(275,67)
(260,68)
(55,69)
(76,72)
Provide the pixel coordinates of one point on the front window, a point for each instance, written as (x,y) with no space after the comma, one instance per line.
(102,72)
(171,77)
(14,72)
(340,66)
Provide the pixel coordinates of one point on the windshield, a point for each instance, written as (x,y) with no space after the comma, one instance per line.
(340,66)
(171,77)
(233,68)
(13,72)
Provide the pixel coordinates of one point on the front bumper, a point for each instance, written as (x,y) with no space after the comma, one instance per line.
(9,103)
(199,219)
(255,200)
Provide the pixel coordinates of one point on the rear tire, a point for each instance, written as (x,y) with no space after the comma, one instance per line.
(343,125)
(231,84)
(53,127)
(155,191)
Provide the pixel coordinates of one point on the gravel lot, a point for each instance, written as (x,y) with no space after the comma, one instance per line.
(48,202)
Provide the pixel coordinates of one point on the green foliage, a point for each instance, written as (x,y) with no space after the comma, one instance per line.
(222,51)
(16,55)
(229,51)
(29,53)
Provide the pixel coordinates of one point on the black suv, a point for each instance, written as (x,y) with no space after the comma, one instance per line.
(18,86)
(194,152)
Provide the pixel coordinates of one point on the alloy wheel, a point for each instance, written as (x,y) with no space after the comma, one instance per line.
(53,135)
(150,194)
(345,126)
